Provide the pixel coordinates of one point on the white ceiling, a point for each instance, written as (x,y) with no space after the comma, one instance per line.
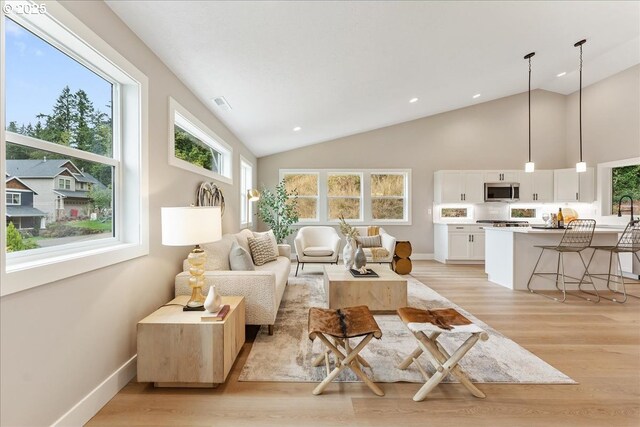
(340,68)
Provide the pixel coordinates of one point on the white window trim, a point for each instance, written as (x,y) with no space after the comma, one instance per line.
(12,193)
(320,205)
(245,221)
(28,269)
(360,198)
(322,217)
(191,124)
(603,186)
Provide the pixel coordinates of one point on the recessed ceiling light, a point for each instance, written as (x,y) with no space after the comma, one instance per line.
(297,128)
(561,74)
(477,95)
(412,100)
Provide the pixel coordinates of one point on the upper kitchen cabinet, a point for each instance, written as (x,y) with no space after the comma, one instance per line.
(458,187)
(536,186)
(501,176)
(571,186)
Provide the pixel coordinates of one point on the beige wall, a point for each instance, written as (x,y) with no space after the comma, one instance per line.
(491,135)
(61,340)
(610,119)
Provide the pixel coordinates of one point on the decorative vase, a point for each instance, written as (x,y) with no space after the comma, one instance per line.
(348,254)
(214,300)
(360,259)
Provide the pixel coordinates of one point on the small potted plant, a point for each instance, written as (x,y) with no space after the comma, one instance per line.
(279,210)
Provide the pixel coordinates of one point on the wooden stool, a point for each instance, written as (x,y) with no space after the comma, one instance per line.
(426,326)
(401,260)
(341,325)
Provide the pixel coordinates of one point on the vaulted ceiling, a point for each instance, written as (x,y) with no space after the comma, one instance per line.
(340,68)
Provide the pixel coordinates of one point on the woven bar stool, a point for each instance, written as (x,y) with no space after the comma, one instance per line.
(427,326)
(334,328)
(629,243)
(576,238)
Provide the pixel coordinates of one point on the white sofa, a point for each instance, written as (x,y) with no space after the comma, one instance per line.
(262,288)
(388,243)
(317,244)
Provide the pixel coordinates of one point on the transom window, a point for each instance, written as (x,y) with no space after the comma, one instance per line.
(196,148)
(13,198)
(360,195)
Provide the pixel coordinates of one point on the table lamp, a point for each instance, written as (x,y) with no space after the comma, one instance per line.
(186,226)
(253,195)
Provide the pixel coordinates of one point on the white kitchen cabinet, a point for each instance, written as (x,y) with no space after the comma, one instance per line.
(536,186)
(571,186)
(458,187)
(501,176)
(458,243)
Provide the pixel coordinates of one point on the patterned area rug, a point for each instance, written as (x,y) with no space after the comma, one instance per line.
(287,355)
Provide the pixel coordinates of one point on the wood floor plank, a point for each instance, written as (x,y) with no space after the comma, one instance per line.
(598,345)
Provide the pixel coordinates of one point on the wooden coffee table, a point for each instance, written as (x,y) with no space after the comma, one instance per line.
(386,293)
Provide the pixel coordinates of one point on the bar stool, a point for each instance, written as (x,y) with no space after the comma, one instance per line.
(341,325)
(576,238)
(629,243)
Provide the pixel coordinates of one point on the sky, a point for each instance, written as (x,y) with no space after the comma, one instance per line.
(36,73)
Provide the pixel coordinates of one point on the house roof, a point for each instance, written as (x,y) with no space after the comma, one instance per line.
(73,194)
(15,178)
(36,168)
(23,211)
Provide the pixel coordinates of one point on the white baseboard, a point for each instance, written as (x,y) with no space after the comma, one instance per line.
(89,405)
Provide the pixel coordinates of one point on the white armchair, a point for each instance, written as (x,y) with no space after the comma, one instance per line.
(316,244)
(388,243)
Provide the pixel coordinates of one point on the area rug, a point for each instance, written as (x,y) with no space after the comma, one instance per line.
(287,355)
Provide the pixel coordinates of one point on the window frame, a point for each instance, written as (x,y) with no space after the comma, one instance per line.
(603,186)
(366,218)
(284,172)
(183,118)
(66,181)
(405,197)
(12,194)
(360,198)
(27,269)
(246,208)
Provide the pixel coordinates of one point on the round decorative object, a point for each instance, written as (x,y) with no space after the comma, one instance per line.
(214,300)
(348,254)
(360,259)
(208,194)
(401,261)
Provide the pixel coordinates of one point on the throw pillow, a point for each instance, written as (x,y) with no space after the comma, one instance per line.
(370,241)
(271,236)
(262,250)
(239,259)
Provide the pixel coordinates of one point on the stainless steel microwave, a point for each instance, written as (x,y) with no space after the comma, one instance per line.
(501,192)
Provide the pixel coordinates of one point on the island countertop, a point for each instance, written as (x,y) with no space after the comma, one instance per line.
(531,230)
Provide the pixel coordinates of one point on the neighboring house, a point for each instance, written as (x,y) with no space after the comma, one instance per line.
(19,202)
(62,189)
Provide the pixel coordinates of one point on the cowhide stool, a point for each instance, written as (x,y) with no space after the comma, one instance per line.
(334,328)
(427,326)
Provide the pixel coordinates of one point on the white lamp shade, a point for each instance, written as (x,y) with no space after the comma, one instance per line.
(529,167)
(186,226)
(581,167)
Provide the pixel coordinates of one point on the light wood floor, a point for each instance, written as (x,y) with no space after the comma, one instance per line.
(597,345)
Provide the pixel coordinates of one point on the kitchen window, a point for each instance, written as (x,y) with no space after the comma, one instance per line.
(196,148)
(625,181)
(93,131)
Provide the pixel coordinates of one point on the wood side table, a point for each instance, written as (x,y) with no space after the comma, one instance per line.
(401,261)
(178,349)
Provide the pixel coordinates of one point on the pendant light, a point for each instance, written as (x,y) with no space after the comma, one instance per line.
(529,166)
(580,166)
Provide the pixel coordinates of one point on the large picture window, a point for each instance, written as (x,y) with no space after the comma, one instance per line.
(71,143)
(196,148)
(305,185)
(365,196)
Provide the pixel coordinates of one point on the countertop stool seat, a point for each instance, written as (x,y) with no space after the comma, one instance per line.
(334,328)
(427,326)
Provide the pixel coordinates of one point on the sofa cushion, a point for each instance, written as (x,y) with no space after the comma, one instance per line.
(242,237)
(262,250)
(239,259)
(271,236)
(218,254)
(370,241)
(318,251)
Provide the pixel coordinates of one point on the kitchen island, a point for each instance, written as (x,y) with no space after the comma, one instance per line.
(511,254)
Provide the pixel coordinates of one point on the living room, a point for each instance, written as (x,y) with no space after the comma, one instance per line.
(319,89)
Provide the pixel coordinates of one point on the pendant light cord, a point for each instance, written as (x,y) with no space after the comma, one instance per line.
(580,102)
(529,109)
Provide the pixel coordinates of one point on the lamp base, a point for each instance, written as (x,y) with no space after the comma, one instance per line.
(187,308)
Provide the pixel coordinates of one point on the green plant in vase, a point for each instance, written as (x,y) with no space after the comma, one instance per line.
(279,210)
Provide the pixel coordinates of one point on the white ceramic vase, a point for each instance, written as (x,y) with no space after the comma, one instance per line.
(214,300)
(348,254)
